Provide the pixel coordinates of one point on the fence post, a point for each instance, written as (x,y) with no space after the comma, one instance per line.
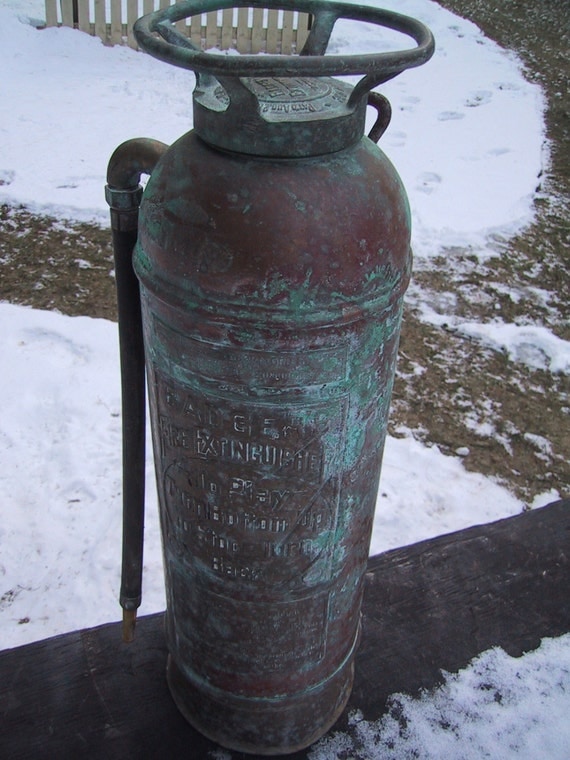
(227,28)
(67,13)
(303,28)
(51,12)
(211,30)
(116,31)
(100,20)
(287,32)
(83,22)
(132,15)
(257,31)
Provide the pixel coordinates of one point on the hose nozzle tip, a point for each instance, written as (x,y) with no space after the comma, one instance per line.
(129,622)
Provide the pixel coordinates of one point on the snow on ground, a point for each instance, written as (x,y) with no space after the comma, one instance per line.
(68,102)
(533,345)
(500,707)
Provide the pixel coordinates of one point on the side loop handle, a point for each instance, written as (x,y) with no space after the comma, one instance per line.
(384,110)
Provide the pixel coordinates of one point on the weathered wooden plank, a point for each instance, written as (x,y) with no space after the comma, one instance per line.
(83,20)
(227,32)
(51,12)
(67,12)
(100,20)
(243,31)
(257,31)
(429,606)
(446,600)
(273,36)
(116,29)
(211,30)
(303,28)
(287,32)
(132,16)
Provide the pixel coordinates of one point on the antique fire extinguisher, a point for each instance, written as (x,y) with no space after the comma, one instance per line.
(272,252)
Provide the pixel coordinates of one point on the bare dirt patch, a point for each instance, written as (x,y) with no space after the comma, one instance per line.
(50,265)
(505,419)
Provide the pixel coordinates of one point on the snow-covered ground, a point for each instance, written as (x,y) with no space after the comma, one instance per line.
(68,101)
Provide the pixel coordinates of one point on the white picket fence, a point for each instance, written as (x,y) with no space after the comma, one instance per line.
(247,30)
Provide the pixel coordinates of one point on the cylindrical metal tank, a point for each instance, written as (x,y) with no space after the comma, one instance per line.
(273,254)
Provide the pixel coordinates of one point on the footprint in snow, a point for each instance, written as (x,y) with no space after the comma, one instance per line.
(498,151)
(396,139)
(428,182)
(409,103)
(7,176)
(479,98)
(450,116)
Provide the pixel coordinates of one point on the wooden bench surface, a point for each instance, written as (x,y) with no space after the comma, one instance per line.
(430,606)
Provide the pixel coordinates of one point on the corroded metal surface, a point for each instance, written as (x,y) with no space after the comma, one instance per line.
(272,275)
(272,294)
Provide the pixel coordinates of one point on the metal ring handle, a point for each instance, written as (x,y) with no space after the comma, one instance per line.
(172,47)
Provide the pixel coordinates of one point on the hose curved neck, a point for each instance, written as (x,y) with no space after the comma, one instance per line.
(124,194)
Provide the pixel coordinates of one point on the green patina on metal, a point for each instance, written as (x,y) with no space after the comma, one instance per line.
(273,255)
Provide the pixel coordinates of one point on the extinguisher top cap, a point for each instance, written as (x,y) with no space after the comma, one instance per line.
(282,105)
(278,117)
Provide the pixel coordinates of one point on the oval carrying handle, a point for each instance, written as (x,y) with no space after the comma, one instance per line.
(156,35)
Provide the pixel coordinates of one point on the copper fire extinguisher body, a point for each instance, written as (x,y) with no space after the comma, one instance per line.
(272,296)
(273,254)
